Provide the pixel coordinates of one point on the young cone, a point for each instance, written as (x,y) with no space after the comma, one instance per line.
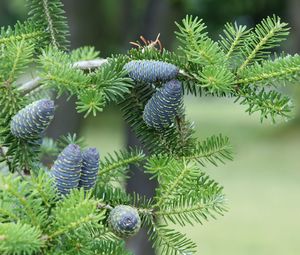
(89,169)
(164,105)
(124,221)
(66,169)
(150,71)
(31,121)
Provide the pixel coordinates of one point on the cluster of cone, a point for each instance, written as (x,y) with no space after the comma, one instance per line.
(75,169)
(162,108)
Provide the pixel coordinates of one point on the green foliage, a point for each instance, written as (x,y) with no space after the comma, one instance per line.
(214,150)
(171,242)
(49,16)
(270,104)
(266,35)
(15,60)
(17,238)
(233,39)
(196,45)
(280,71)
(114,167)
(57,71)
(26,31)
(84,53)
(35,219)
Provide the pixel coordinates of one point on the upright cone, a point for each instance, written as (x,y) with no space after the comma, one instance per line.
(31,121)
(161,110)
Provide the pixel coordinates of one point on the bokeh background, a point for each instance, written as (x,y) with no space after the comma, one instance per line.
(263,182)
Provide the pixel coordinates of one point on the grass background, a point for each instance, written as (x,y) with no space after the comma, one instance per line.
(262,184)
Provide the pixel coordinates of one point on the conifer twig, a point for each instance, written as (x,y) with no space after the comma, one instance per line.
(83,65)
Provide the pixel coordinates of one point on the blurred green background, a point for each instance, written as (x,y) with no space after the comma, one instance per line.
(263,182)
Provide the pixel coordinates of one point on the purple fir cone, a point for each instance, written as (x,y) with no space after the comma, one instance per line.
(66,169)
(124,221)
(164,106)
(89,169)
(150,71)
(31,121)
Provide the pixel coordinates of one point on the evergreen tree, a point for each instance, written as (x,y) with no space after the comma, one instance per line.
(74,209)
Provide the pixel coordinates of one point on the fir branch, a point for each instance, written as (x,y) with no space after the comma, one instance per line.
(57,72)
(112,80)
(18,238)
(217,79)
(6,212)
(85,53)
(195,43)
(26,31)
(178,176)
(267,35)
(43,186)
(15,59)
(233,38)
(271,72)
(78,210)
(89,64)
(114,166)
(49,16)
(213,150)
(204,201)
(269,104)
(170,242)
(104,247)
(83,65)
(174,140)
(28,206)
